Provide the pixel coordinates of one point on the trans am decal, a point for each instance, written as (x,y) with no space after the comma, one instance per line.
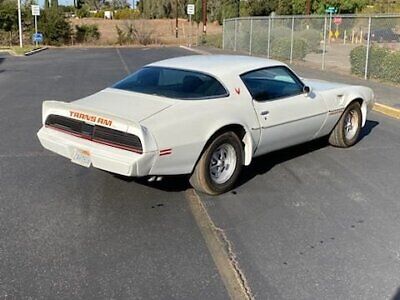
(90,118)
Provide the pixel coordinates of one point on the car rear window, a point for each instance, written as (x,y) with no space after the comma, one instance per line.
(172,83)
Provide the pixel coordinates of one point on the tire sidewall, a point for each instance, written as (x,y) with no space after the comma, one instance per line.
(226,138)
(356,107)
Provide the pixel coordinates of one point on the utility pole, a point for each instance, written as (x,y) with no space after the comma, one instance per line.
(176,18)
(238,8)
(20,23)
(204,10)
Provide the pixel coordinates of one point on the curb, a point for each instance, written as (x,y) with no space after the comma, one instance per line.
(35,51)
(387,110)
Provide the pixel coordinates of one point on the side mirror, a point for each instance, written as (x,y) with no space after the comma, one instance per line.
(306,89)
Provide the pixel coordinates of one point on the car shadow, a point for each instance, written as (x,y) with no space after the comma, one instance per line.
(259,165)
(369,125)
(397,295)
(1,61)
(176,183)
(264,163)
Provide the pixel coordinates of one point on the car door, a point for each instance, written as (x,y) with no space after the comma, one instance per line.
(287,114)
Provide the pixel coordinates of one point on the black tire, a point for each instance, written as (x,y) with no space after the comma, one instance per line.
(202,180)
(338,136)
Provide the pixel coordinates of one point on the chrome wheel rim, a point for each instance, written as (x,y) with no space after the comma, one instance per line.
(223,163)
(351,124)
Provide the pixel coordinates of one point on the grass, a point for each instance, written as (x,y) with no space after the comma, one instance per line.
(18,50)
(211,40)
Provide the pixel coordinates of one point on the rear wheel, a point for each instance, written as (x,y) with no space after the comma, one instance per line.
(347,130)
(219,166)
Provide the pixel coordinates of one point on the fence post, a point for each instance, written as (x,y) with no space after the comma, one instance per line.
(368,45)
(234,47)
(269,36)
(223,33)
(324,47)
(251,35)
(291,41)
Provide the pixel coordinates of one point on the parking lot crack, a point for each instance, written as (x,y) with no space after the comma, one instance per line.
(221,250)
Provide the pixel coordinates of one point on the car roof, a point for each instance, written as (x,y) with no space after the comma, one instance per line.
(218,65)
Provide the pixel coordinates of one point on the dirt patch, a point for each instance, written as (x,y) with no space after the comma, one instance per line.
(164,30)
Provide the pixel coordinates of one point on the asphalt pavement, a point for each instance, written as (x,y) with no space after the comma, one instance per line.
(308,222)
(318,222)
(67,232)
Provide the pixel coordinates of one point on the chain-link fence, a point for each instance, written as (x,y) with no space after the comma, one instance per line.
(368,46)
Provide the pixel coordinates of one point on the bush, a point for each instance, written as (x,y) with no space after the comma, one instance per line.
(54,26)
(280,32)
(121,36)
(260,41)
(312,38)
(126,14)
(376,57)
(391,67)
(280,48)
(83,12)
(383,64)
(212,40)
(135,33)
(99,14)
(87,33)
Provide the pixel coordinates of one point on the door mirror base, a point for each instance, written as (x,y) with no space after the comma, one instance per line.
(306,89)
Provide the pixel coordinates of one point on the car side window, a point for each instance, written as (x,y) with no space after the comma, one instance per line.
(272,83)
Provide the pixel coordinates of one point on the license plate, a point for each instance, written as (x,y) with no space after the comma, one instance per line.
(82,158)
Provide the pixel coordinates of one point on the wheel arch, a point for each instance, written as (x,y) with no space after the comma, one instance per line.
(243,134)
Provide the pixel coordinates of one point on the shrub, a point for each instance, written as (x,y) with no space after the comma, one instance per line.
(376,57)
(126,14)
(280,48)
(87,33)
(83,12)
(99,14)
(54,26)
(260,41)
(312,38)
(135,32)
(212,40)
(280,32)
(383,64)
(121,37)
(391,67)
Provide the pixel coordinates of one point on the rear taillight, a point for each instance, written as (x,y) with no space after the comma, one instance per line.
(96,133)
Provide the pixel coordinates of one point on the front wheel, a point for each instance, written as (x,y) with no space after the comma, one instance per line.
(219,166)
(347,130)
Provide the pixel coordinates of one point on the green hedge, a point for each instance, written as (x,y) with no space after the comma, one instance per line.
(280,48)
(312,37)
(383,63)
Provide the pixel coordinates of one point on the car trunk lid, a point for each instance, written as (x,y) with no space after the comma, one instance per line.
(124,104)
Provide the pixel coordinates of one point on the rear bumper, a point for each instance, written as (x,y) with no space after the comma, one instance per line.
(103,157)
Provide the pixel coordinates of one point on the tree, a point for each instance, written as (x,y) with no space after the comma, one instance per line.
(55,28)
(260,7)
(8,15)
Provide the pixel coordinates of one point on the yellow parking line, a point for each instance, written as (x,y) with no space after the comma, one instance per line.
(387,110)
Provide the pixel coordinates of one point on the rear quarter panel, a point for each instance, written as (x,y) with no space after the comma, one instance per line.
(337,99)
(188,125)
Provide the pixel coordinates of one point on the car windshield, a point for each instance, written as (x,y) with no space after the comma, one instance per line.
(172,83)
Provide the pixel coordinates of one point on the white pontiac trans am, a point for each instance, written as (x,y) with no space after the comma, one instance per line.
(207,116)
